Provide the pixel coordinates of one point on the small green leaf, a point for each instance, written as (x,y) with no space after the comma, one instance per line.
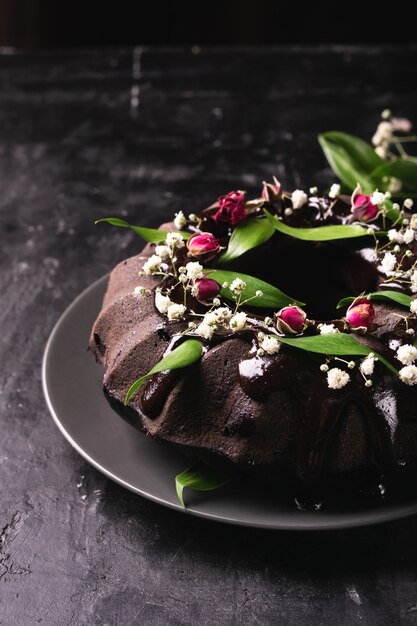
(272,298)
(403,169)
(247,235)
(351,159)
(320,233)
(393,296)
(335,344)
(200,477)
(187,353)
(151,235)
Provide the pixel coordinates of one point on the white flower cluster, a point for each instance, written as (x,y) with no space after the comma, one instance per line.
(237,286)
(165,305)
(334,191)
(221,316)
(298,199)
(384,134)
(407,236)
(337,378)
(327,329)
(180,220)
(406,354)
(152,265)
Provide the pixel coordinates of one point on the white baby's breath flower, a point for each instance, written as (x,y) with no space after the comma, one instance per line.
(216,302)
(408,374)
(194,270)
(402,124)
(408,235)
(337,378)
(314,191)
(386,114)
(259,293)
(383,133)
(192,217)
(153,264)
(162,302)
(378,198)
(223,313)
(381,151)
(139,290)
(328,329)
(367,366)
(413,306)
(324,367)
(205,330)
(183,278)
(270,345)
(408,203)
(162,251)
(210,318)
(237,286)
(334,191)
(406,354)
(388,262)
(395,184)
(413,281)
(180,220)
(395,235)
(238,321)
(176,311)
(298,198)
(288,211)
(413,221)
(174,240)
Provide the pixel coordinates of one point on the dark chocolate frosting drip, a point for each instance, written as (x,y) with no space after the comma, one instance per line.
(317,410)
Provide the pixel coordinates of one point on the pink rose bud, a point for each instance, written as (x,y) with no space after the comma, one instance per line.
(360,314)
(203,246)
(291,320)
(232,208)
(363,209)
(207,288)
(270,192)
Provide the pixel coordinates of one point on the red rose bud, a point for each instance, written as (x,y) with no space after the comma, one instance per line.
(291,320)
(232,208)
(206,288)
(270,192)
(203,246)
(360,314)
(363,209)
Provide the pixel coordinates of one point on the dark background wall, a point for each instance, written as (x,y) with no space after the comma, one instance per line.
(54,23)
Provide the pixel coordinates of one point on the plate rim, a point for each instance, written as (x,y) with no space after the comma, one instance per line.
(355,520)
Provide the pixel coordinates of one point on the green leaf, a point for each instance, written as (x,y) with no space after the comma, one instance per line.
(320,233)
(393,296)
(335,344)
(247,235)
(403,169)
(151,235)
(187,353)
(351,158)
(272,298)
(200,477)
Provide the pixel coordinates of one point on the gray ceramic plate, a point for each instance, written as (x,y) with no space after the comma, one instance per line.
(72,386)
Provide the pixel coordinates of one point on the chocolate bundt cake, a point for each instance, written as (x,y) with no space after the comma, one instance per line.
(329,413)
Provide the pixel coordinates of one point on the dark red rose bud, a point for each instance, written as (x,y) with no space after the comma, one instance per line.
(363,209)
(203,246)
(270,192)
(206,288)
(291,320)
(361,314)
(232,208)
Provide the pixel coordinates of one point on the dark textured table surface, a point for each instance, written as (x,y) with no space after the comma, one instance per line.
(143,133)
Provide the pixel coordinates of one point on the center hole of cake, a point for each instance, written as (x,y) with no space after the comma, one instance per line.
(317,273)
